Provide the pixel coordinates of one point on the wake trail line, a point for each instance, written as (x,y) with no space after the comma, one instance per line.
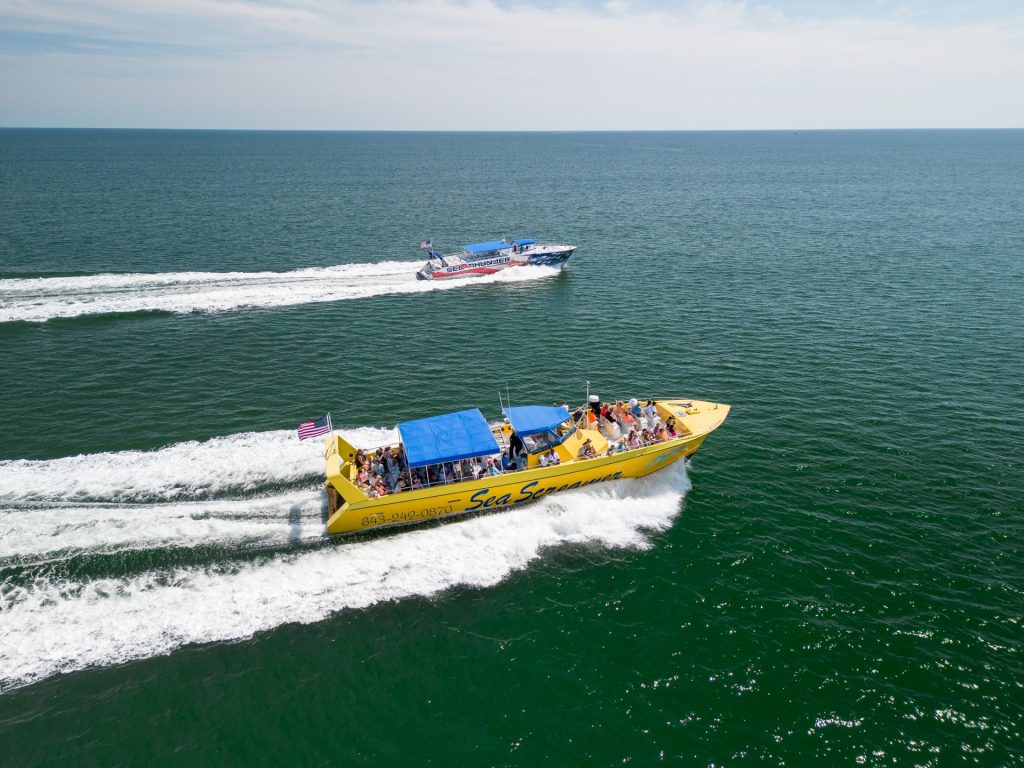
(56,624)
(47,298)
(248,489)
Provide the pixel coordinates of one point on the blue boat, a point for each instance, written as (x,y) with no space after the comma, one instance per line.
(491,256)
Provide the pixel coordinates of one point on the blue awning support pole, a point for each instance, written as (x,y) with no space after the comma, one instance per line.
(508,402)
(501,432)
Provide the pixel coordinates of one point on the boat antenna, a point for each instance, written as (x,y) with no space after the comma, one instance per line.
(508,397)
(588,390)
(501,431)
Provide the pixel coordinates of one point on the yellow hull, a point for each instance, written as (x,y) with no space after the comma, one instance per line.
(350,510)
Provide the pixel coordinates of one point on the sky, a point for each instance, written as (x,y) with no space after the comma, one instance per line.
(510,65)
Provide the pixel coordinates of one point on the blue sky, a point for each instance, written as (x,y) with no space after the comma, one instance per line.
(509,65)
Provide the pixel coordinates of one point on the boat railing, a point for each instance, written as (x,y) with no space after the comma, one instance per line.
(579,419)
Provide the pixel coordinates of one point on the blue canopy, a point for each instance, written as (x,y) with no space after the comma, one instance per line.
(533,419)
(524,241)
(448,437)
(490,245)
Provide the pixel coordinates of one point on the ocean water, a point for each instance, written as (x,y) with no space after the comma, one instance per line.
(834,579)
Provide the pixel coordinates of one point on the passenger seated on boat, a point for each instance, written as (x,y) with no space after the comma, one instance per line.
(577,416)
(633,440)
(670,426)
(646,437)
(549,458)
(506,462)
(635,410)
(608,413)
(625,419)
(662,433)
(491,469)
(587,450)
(382,489)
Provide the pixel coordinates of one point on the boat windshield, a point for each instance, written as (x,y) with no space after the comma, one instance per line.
(542,441)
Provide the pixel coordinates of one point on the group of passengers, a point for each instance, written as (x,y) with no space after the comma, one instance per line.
(381,472)
(386,471)
(626,425)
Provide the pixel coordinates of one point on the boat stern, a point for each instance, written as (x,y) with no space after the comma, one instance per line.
(341,491)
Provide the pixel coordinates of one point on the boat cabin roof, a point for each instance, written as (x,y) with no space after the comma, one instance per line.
(490,245)
(534,419)
(447,437)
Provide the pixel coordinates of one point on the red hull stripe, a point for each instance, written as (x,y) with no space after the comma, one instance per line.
(476,271)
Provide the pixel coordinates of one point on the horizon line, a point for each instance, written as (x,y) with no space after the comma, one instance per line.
(498,130)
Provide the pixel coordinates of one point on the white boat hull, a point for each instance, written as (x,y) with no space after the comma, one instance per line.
(452,267)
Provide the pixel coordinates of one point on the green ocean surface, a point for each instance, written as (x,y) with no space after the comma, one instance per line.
(835,579)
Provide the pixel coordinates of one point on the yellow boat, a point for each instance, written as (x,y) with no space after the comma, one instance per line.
(534,434)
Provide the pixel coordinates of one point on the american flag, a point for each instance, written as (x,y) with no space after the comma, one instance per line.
(426,244)
(315,427)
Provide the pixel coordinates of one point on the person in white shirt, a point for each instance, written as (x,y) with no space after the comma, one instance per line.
(553,458)
(651,412)
(543,459)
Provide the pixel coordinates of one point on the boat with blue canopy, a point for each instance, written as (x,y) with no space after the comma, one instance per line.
(492,256)
(448,437)
(459,462)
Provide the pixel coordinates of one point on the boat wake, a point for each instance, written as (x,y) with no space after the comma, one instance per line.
(124,556)
(46,298)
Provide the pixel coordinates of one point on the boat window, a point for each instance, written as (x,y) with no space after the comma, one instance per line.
(544,440)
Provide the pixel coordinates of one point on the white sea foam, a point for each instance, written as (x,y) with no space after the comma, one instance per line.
(190,470)
(52,532)
(59,625)
(41,299)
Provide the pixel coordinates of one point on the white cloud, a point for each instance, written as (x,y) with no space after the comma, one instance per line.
(443,64)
